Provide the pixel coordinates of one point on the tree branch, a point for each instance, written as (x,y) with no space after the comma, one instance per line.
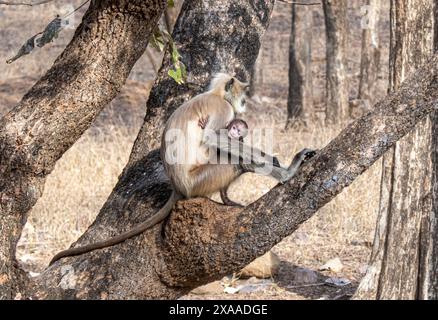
(301,3)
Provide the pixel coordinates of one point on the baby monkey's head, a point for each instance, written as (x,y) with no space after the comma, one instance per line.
(237,129)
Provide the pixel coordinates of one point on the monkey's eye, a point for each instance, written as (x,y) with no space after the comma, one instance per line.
(243,101)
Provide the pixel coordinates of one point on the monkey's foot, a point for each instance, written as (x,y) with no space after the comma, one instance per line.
(233,204)
(226,201)
(203,122)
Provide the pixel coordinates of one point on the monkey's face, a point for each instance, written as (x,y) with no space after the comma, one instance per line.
(237,131)
(235,94)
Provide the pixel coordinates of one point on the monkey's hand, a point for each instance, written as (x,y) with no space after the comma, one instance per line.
(301,157)
(308,154)
(203,122)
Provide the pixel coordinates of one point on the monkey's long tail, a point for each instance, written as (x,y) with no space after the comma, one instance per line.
(140,228)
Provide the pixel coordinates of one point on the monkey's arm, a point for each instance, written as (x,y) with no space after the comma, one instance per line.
(237,149)
(255,160)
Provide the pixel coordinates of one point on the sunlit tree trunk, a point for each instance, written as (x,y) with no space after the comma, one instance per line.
(404,261)
(370,53)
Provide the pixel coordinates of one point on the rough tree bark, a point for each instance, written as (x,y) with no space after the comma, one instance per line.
(370,53)
(335,16)
(404,261)
(202,240)
(60,107)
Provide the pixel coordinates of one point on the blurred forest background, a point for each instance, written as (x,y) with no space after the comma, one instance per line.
(86,174)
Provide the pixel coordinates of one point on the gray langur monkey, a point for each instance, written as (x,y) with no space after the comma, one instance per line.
(196,178)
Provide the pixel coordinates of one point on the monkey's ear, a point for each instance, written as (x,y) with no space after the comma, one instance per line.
(229,84)
(246,88)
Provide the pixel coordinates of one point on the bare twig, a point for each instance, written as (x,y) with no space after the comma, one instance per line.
(29,4)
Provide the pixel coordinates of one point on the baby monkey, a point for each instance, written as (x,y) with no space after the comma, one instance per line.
(237,129)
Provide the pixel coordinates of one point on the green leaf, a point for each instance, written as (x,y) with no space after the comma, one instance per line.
(157,40)
(171,3)
(175,54)
(176,75)
(183,70)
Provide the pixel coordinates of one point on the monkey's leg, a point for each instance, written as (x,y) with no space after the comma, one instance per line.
(227,201)
(237,149)
(209,178)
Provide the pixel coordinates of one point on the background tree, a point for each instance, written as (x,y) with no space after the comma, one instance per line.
(404,261)
(335,15)
(370,53)
(295,96)
(300,94)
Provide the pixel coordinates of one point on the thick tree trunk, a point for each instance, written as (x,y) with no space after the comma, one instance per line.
(60,107)
(335,15)
(370,53)
(300,97)
(404,261)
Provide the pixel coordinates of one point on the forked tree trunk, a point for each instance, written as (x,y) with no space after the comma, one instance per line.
(60,107)
(370,53)
(404,261)
(335,15)
(202,241)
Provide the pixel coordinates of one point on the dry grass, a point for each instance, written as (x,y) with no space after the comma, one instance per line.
(74,193)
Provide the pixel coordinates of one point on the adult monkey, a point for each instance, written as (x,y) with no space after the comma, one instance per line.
(194,176)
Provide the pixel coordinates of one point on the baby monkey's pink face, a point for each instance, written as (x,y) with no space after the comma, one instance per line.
(237,129)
